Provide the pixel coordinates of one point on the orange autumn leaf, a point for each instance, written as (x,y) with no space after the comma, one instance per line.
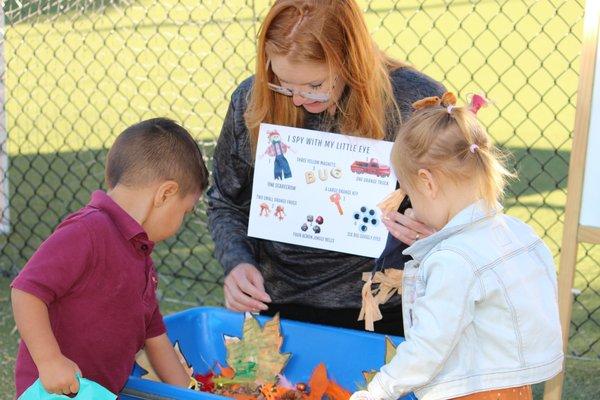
(227,372)
(336,392)
(318,383)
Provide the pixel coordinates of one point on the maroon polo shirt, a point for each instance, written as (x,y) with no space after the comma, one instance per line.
(96,276)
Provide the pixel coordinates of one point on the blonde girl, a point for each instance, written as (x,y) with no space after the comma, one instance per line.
(479,296)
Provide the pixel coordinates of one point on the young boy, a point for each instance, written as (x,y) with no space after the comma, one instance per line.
(86,302)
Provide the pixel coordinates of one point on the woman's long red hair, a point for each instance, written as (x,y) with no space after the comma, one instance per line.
(332,32)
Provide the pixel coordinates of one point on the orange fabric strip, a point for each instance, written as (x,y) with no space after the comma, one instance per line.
(517,393)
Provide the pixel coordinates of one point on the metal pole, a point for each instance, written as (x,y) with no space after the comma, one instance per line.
(4,203)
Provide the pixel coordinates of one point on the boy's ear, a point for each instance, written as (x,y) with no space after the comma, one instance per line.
(428,183)
(165,191)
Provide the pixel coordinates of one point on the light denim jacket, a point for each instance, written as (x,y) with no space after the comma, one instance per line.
(480,311)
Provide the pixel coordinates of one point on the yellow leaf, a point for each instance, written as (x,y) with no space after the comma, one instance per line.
(390,352)
(141,358)
(257,355)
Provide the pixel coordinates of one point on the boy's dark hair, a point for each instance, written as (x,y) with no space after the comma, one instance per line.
(156,149)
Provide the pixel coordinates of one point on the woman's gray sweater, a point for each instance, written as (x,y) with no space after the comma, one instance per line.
(292,273)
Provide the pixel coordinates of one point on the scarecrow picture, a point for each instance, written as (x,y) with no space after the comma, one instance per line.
(277,149)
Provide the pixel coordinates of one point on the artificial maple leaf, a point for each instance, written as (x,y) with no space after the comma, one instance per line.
(390,352)
(322,387)
(205,381)
(142,360)
(256,356)
(226,372)
(318,383)
(336,392)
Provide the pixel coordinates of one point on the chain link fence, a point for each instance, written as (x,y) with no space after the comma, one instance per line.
(78,72)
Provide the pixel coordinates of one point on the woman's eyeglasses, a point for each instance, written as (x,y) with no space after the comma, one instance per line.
(313,96)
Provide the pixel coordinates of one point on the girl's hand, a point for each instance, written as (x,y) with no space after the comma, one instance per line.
(245,290)
(362,395)
(58,375)
(405,227)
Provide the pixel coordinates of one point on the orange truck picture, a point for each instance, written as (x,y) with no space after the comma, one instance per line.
(371,167)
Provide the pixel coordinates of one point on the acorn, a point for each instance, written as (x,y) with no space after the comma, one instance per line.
(301,387)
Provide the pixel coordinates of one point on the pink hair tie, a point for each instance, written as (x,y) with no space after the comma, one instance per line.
(473,147)
(449,109)
(477,101)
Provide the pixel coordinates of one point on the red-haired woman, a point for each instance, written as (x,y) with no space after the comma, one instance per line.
(318,68)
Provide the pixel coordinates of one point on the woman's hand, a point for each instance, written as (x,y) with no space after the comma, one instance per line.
(245,289)
(405,227)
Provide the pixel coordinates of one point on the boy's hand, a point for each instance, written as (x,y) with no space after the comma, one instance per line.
(58,375)
(244,289)
(166,363)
